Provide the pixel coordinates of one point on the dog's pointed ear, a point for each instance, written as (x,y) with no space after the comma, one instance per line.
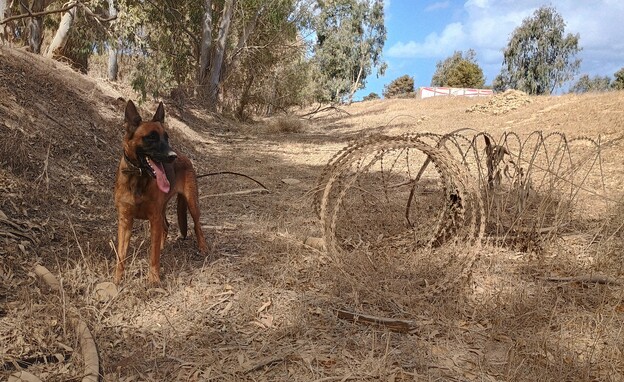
(132,117)
(159,116)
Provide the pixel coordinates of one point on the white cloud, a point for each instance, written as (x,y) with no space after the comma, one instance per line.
(477,3)
(435,45)
(438,5)
(486,26)
(489,25)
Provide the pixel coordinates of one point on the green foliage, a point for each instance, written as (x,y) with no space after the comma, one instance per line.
(151,79)
(585,84)
(618,82)
(400,87)
(501,82)
(371,96)
(459,70)
(273,78)
(162,36)
(350,38)
(268,64)
(539,58)
(264,74)
(86,35)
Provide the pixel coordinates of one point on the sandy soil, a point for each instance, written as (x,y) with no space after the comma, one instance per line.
(262,306)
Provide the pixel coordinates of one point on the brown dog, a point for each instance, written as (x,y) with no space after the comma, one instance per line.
(149,174)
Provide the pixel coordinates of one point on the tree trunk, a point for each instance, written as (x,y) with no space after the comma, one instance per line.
(219,53)
(206,44)
(62,34)
(240,112)
(3,32)
(35,25)
(355,85)
(113,67)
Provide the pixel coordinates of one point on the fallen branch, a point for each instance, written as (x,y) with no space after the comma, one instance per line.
(319,110)
(267,361)
(390,323)
(585,279)
(87,343)
(244,192)
(45,112)
(89,352)
(226,226)
(48,277)
(16,231)
(232,173)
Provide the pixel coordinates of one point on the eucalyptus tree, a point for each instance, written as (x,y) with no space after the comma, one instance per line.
(587,84)
(459,70)
(399,87)
(350,36)
(539,57)
(618,81)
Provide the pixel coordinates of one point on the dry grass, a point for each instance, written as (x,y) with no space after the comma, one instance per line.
(15,154)
(285,125)
(262,306)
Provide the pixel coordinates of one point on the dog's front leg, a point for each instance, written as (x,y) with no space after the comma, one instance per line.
(156,241)
(123,239)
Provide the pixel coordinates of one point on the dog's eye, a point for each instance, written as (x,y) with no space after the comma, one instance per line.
(153,136)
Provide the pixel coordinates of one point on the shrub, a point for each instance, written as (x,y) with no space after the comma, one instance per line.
(401,87)
(371,96)
(285,124)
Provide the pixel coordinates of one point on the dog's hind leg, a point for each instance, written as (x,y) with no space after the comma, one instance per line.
(182,219)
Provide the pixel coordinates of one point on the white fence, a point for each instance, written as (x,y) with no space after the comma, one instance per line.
(426,92)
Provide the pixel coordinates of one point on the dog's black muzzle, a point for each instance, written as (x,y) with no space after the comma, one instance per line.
(157,151)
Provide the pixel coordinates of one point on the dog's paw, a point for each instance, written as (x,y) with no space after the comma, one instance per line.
(153,278)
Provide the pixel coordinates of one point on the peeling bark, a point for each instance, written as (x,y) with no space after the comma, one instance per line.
(206,43)
(113,67)
(219,53)
(62,34)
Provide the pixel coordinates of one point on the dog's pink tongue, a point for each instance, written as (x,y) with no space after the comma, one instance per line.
(161,178)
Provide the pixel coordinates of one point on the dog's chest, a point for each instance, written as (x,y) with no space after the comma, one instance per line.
(136,199)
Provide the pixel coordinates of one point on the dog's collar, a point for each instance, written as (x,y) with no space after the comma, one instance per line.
(132,167)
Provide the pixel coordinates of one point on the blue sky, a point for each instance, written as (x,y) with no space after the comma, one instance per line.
(423,32)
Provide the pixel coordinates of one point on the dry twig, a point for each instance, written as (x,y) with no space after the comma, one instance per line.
(584,279)
(238,193)
(391,323)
